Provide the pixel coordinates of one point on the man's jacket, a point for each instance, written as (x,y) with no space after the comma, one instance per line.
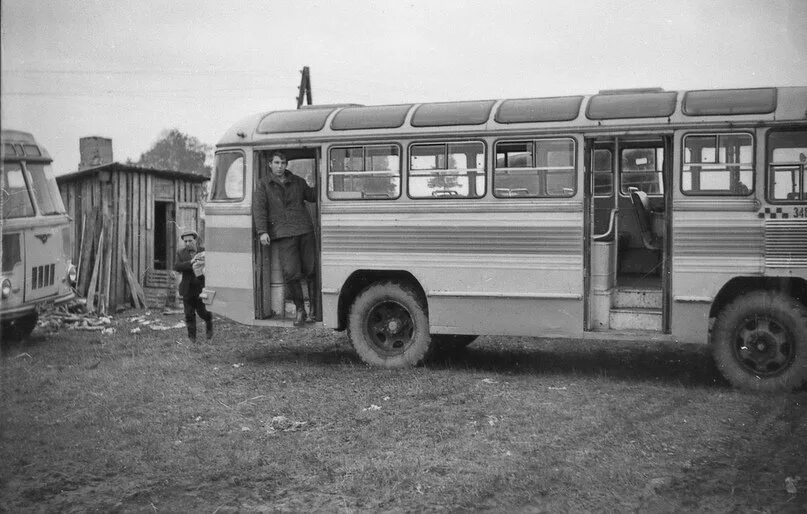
(278,206)
(191,285)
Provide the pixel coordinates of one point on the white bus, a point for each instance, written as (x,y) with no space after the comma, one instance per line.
(36,234)
(645,214)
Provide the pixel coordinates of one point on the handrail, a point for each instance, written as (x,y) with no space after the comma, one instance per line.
(609,234)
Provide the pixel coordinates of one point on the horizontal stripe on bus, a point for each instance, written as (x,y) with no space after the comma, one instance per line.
(466,206)
(228,269)
(476,261)
(229,221)
(728,239)
(494,240)
(708,265)
(233,240)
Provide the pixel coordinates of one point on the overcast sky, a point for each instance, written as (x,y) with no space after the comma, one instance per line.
(129,70)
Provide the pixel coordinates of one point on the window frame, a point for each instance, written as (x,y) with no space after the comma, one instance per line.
(446,142)
(213,185)
(769,165)
(364,147)
(716,134)
(534,141)
(656,145)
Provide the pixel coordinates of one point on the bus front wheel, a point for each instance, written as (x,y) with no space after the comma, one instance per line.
(389,326)
(760,342)
(20,328)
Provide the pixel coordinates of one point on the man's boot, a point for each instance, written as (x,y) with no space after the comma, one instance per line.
(299,320)
(209,328)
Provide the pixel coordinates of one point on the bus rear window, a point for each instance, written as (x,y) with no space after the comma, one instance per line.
(16,200)
(45,189)
(228,184)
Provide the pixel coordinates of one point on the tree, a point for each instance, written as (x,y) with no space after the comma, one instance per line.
(179,152)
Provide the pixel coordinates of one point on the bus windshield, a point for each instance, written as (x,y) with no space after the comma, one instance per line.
(45,189)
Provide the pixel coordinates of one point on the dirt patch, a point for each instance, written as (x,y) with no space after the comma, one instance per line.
(280,419)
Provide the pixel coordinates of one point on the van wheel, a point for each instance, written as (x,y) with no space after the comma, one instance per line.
(760,342)
(389,327)
(452,342)
(20,328)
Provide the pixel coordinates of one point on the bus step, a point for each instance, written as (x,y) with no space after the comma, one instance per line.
(630,298)
(635,319)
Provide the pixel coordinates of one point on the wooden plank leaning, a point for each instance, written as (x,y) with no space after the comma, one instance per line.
(94,279)
(138,296)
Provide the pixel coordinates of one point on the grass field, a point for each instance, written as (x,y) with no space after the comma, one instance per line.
(279,419)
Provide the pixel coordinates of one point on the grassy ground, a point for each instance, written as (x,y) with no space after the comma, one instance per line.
(290,420)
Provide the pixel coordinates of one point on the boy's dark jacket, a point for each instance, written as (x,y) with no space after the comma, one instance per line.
(191,285)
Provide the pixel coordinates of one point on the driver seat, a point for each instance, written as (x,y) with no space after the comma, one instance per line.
(644,217)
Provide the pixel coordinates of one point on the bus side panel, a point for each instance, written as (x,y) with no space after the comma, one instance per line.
(229,266)
(483,270)
(711,247)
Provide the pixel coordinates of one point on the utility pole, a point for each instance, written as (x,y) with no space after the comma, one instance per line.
(305,87)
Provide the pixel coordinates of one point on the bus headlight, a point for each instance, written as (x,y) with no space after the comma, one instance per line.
(6,288)
(71,275)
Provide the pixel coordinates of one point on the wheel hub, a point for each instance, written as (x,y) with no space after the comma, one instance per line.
(764,346)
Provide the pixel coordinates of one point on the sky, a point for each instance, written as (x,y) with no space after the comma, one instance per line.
(131,70)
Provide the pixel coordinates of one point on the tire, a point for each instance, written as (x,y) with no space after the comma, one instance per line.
(760,342)
(448,343)
(20,328)
(389,326)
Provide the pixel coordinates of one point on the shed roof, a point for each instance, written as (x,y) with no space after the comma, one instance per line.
(117,167)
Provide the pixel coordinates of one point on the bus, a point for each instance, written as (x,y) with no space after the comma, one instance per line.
(37,268)
(643,214)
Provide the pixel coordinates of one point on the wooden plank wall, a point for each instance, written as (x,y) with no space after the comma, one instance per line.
(126,201)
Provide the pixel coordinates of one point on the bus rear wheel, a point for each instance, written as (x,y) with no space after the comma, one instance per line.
(389,326)
(760,342)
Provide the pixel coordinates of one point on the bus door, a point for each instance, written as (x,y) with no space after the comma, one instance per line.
(628,255)
(270,294)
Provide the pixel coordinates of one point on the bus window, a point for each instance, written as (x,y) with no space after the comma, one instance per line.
(642,168)
(229,181)
(16,201)
(531,169)
(450,170)
(718,164)
(787,160)
(603,177)
(45,189)
(371,172)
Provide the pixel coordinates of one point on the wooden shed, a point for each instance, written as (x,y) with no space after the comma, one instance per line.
(122,210)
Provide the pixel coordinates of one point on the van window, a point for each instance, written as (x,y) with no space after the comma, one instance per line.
(16,200)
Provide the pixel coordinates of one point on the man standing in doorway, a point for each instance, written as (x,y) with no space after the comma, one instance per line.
(281,219)
(190,262)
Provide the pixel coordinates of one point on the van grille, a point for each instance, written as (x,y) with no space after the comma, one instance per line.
(42,276)
(785,243)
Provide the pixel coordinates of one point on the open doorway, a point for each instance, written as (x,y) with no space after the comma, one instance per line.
(164,235)
(629,233)
(270,291)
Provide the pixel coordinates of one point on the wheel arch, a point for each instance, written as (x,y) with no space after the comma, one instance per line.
(360,279)
(796,287)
